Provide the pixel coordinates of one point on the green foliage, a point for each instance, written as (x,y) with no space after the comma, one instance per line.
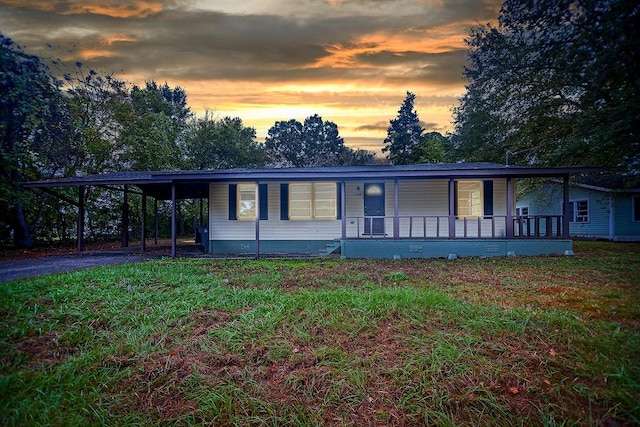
(404,135)
(221,144)
(555,83)
(312,143)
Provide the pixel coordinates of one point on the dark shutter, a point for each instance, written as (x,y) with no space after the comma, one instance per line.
(233,202)
(263,195)
(339,201)
(284,201)
(488,198)
(455,198)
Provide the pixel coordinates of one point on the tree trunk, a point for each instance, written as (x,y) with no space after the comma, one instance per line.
(22,237)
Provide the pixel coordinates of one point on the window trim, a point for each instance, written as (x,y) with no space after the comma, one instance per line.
(587,217)
(313,201)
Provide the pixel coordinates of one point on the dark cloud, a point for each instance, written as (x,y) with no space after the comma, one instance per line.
(378,48)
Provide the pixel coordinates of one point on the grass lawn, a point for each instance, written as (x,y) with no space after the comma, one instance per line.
(497,341)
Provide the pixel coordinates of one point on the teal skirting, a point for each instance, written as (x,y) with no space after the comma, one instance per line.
(363,248)
(248,247)
(399,249)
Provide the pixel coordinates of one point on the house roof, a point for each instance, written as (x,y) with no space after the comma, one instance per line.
(194,184)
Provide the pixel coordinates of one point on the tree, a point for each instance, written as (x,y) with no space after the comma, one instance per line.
(314,143)
(30,107)
(152,124)
(556,82)
(404,134)
(221,144)
(432,148)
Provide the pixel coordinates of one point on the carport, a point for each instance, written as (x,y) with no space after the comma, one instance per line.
(171,186)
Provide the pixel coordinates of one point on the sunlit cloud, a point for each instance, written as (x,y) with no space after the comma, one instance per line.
(351,61)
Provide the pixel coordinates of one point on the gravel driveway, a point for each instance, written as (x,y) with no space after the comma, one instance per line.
(25,268)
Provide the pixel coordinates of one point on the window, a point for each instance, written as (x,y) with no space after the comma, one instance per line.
(469,198)
(636,208)
(307,201)
(246,201)
(579,211)
(523,211)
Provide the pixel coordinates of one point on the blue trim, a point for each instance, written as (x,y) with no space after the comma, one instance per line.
(338,200)
(488,198)
(233,202)
(263,195)
(284,201)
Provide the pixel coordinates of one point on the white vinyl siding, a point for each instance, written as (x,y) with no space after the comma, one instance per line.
(419,201)
(221,228)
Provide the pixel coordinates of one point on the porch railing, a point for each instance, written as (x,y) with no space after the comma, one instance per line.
(437,227)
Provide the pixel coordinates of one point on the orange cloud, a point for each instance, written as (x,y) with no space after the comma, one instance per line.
(118,9)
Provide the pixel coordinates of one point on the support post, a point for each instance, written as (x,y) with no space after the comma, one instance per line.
(124,236)
(81,218)
(201,222)
(257,220)
(143,224)
(565,207)
(509,224)
(155,221)
(343,209)
(452,209)
(174,225)
(396,208)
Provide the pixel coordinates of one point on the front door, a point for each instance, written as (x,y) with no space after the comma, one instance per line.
(374,208)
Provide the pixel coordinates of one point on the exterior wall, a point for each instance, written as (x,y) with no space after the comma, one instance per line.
(238,236)
(601,225)
(419,201)
(626,228)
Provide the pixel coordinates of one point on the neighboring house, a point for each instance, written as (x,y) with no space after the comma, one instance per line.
(594,212)
(409,211)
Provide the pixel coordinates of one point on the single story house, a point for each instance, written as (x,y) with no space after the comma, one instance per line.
(594,212)
(381,211)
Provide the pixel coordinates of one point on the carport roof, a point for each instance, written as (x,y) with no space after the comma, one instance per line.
(194,184)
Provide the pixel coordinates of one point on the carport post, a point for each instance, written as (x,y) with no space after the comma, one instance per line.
(174,227)
(143,223)
(124,237)
(565,207)
(81,218)
(155,221)
(257,220)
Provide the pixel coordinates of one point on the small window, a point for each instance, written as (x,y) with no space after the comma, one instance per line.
(581,210)
(246,201)
(470,198)
(636,208)
(308,201)
(522,211)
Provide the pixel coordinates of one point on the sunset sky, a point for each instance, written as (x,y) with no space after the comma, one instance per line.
(350,61)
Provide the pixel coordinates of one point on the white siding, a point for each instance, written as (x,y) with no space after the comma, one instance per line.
(221,228)
(420,202)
